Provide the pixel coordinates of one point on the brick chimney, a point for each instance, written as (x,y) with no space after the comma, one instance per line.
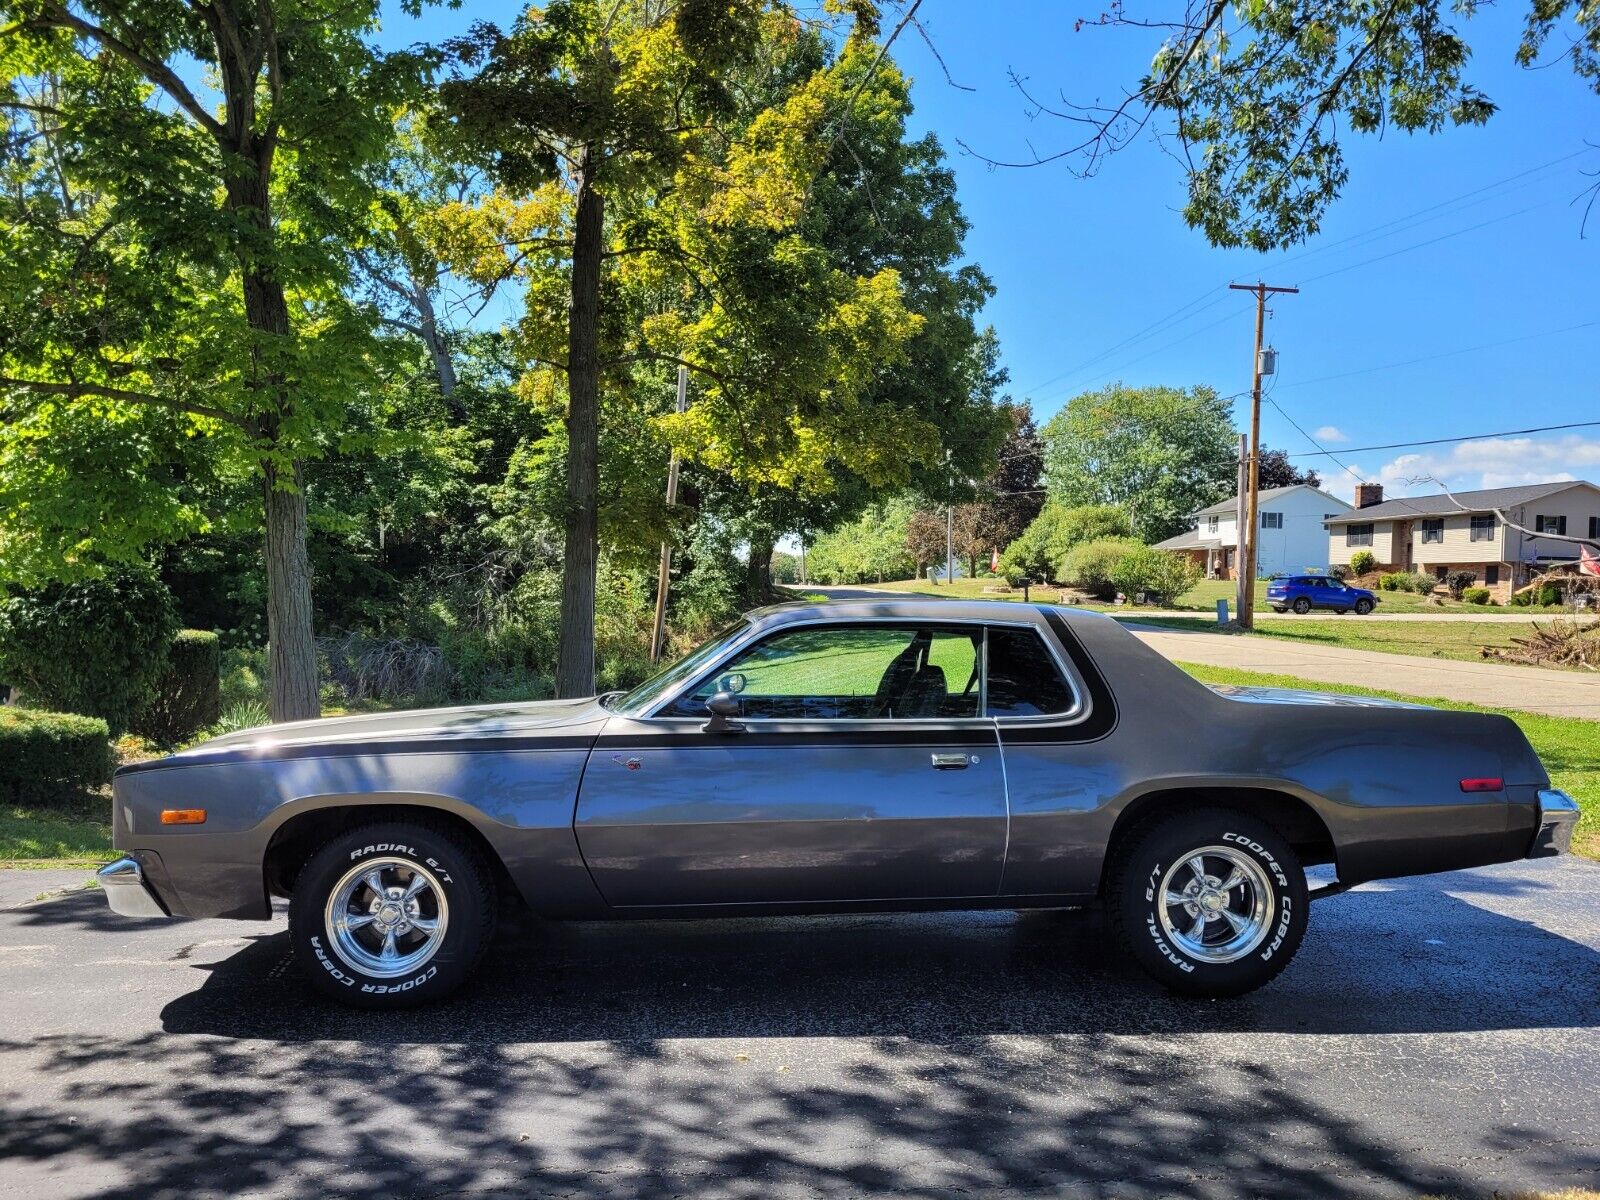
(1368,494)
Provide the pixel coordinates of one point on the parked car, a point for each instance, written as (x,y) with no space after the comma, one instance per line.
(1305,592)
(850,757)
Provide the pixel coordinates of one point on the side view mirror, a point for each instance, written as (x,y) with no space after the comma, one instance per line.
(723,706)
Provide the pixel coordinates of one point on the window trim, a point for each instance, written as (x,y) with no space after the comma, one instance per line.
(1558,519)
(1476,522)
(1370,531)
(1213,524)
(1277,516)
(1078,713)
(1435,536)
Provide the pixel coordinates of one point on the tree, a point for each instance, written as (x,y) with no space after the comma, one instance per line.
(1256,93)
(1012,495)
(925,538)
(653,218)
(171,272)
(1277,471)
(1043,546)
(1159,453)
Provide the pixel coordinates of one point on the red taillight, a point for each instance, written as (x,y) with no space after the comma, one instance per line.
(1482,785)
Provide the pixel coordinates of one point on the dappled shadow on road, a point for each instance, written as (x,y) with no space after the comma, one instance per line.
(922,1056)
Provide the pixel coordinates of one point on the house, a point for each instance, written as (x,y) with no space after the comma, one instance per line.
(1293,535)
(1441,533)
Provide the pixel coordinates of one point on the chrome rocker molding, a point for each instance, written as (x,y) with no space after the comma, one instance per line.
(1558,817)
(126,890)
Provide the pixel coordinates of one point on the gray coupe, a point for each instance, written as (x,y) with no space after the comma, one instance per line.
(849,757)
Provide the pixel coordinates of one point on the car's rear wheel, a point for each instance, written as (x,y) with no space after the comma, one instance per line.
(1363,607)
(1302,606)
(392,914)
(1211,902)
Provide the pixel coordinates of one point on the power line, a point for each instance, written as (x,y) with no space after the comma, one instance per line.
(1367,262)
(1468,437)
(1443,354)
(1132,338)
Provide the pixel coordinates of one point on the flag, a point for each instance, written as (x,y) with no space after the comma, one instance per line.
(1588,564)
(994,561)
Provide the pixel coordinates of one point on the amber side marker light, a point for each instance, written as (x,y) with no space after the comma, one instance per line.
(186,816)
(1482,785)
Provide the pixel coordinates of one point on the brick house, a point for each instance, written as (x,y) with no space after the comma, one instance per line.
(1439,534)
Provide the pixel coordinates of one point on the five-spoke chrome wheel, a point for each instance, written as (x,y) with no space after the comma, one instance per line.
(387,917)
(1216,904)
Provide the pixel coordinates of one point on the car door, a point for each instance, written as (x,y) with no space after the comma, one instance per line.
(862,770)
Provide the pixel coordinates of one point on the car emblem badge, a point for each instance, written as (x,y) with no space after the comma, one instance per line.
(633,764)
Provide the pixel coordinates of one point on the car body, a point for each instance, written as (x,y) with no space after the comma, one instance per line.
(1302,593)
(831,758)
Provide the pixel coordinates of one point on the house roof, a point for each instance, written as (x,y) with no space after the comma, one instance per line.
(1440,505)
(1264,496)
(1189,539)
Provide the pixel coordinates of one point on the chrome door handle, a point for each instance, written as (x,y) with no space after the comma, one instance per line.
(952,762)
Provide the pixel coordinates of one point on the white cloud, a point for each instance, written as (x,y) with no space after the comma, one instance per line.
(1330,433)
(1467,466)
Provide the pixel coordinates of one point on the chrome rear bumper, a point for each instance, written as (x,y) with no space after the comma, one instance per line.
(126,890)
(1558,817)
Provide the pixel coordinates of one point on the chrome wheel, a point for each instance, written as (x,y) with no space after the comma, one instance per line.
(387,917)
(1216,904)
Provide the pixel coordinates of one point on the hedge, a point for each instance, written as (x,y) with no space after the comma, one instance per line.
(187,695)
(45,751)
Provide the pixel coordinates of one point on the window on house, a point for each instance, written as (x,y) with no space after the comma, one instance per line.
(1550,525)
(1272,520)
(1594,527)
(1211,524)
(1433,530)
(1358,535)
(1491,574)
(1483,527)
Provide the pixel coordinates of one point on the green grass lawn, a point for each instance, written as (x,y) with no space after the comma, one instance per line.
(1202,597)
(1458,639)
(1568,746)
(69,830)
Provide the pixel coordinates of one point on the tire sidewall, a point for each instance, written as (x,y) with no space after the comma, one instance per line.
(1363,607)
(459,881)
(1301,606)
(1169,843)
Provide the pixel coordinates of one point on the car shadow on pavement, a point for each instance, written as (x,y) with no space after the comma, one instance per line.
(922,1056)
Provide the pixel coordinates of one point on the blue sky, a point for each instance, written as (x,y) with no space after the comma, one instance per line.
(1440,298)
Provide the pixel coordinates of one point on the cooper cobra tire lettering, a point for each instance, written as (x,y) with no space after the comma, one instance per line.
(383,989)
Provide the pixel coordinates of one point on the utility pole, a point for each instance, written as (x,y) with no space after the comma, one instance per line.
(1241,586)
(1247,565)
(658,636)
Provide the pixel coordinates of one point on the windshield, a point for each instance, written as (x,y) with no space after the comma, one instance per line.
(644,697)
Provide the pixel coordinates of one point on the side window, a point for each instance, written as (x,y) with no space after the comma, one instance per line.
(850,672)
(1024,680)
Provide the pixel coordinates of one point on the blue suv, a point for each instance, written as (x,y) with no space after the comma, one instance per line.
(1305,592)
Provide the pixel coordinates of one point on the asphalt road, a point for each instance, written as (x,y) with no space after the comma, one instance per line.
(1435,1036)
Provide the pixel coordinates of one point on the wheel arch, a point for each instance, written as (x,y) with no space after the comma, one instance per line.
(307,824)
(1293,815)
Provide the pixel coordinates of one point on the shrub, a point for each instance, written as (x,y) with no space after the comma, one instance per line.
(95,646)
(1091,565)
(1419,582)
(1459,581)
(1339,571)
(1362,561)
(247,715)
(1155,573)
(1476,595)
(1549,594)
(42,752)
(1521,599)
(1393,581)
(1042,547)
(187,696)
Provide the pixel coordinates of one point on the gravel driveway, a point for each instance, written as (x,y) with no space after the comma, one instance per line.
(1437,1035)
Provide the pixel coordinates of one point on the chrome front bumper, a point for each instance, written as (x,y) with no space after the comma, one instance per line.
(1558,817)
(126,890)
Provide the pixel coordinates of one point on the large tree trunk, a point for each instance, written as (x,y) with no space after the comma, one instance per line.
(292,651)
(291,644)
(443,366)
(575,664)
(758,567)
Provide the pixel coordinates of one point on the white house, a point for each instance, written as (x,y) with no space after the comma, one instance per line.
(1293,534)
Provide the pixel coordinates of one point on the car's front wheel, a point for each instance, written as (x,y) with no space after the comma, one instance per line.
(1211,902)
(392,914)
(1363,607)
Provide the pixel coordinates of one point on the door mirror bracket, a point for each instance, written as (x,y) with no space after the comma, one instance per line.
(723,707)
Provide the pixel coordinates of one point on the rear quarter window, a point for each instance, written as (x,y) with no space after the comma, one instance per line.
(1024,680)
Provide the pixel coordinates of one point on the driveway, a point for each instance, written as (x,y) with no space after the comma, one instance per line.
(1498,685)
(1435,1035)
